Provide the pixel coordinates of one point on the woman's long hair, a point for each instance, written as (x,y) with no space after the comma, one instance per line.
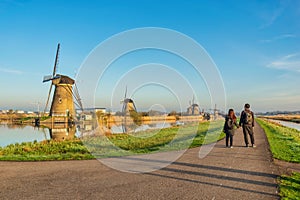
(231,114)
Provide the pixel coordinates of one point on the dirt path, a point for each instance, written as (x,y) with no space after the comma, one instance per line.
(238,173)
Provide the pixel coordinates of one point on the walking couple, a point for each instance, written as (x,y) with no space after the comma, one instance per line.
(246,121)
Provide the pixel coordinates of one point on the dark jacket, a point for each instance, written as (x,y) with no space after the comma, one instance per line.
(229,125)
(243,119)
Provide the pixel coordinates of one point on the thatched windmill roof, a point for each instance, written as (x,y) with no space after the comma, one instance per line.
(62,79)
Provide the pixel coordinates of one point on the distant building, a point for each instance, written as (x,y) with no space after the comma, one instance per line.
(20,112)
(94,110)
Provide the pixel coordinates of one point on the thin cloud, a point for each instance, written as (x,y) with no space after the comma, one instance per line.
(11,71)
(280,37)
(289,62)
(285,36)
(271,16)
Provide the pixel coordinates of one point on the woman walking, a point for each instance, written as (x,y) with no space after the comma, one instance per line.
(230,122)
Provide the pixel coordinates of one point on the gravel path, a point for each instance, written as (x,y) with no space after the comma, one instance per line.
(238,173)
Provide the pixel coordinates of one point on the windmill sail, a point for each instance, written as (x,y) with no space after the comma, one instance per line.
(56,60)
(53,74)
(47,78)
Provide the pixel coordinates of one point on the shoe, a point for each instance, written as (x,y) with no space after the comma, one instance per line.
(231,147)
(247,146)
(253,146)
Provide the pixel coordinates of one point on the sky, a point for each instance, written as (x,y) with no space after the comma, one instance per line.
(254,45)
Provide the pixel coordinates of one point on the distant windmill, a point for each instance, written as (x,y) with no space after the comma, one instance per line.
(215,112)
(193,109)
(128,105)
(62,101)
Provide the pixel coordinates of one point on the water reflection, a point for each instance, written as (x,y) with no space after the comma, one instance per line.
(132,127)
(62,131)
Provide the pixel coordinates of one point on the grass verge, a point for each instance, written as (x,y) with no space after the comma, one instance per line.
(45,150)
(289,186)
(285,145)
(284,142)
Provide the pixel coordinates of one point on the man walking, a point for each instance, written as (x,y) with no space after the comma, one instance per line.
(247,122)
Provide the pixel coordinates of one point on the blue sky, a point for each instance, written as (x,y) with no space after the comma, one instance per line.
(254,44)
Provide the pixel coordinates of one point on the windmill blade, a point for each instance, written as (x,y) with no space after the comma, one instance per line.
(56,60)
(48,98)
(47,78)
(134,107)
(124,107)
(125,93)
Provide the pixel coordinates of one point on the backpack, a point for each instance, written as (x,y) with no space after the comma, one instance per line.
(248,118)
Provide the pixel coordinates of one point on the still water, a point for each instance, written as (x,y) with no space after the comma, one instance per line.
(11,134)
(289,124)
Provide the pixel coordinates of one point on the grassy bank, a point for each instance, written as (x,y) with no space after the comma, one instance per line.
(168,139)
(285,145)
(174,138)
(45,150)
(284,141)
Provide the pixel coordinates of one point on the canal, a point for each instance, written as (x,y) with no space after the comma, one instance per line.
(288,124)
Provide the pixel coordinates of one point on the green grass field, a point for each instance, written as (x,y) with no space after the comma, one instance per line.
(285,145)
(168,139)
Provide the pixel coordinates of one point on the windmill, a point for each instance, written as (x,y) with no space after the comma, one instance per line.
(216,112)
(62,102)
(193,109)
(128,105)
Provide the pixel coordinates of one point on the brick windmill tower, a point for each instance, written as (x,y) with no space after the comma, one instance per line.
(62,106)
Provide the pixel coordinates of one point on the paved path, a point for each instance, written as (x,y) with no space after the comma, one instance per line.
(238,173)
